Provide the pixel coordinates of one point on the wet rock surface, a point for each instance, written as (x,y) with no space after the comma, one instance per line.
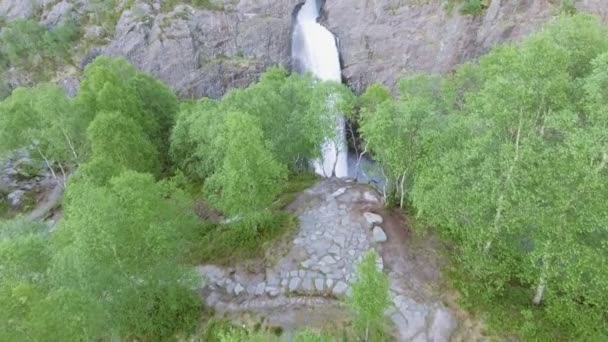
(319,268)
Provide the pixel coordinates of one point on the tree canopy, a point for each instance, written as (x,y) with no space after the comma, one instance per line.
(507,157)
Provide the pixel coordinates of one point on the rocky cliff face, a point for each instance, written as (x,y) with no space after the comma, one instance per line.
(382,40)
(204,52)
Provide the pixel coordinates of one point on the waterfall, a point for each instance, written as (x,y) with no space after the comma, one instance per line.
(314,50)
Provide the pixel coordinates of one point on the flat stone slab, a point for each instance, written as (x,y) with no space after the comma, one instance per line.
(379,235)
(340,288)
(294,283)
(339,192)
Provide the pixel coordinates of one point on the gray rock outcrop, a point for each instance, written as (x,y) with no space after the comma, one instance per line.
(205,52)
(382,40)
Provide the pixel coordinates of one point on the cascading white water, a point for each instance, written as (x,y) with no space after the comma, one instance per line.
(314,49)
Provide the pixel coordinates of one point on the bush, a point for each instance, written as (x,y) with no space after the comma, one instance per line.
(237,241)
(370,299)
(27,44)
(472,7)
(493,144)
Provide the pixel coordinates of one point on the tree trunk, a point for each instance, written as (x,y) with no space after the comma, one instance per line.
(540,291)
(48,165)
(542,283)
(402,190)
(501,198)
(65,178)
(71,147)
(385,184)
(358,166)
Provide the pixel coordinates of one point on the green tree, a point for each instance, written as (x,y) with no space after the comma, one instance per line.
(46,121)
(514,175)
(114,85)
(292,111)
(373,96)
(118,139)
(159,102)
(28,45)
(250,178)
(24,257)
(394,130)
(370,299)
(194,137)
(123,243)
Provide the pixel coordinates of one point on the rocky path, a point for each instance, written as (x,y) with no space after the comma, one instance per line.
(339,222)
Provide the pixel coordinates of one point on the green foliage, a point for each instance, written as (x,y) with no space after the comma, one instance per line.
(370,298)
(240,240)
(294,113)
(507,157)
(223,331)
(118,140)
(568,7)
(394,129)
(194,148)
(134,115)
(28,45)
(249,178)
(159,102)
(467,7)
(472,7)
(373,96)
(24,257)
(129,113)
(123,242)
(107,12)
(44,119)
(229,243)
(311,336)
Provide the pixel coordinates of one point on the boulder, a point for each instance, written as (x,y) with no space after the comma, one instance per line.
(57,13)
(379,235)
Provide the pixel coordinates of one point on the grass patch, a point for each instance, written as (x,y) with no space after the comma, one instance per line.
(467,7)
(296,184)
(5,210)
(225,244)
(228,243)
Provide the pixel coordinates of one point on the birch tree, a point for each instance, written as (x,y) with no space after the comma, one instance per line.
(249,178)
